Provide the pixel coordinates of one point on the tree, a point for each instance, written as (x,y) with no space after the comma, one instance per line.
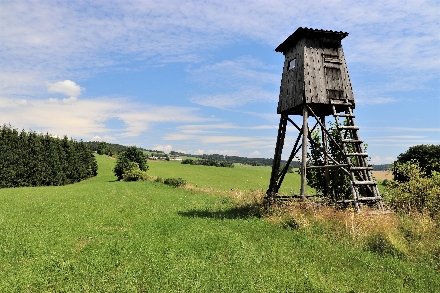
(31,159)
(339,182)
(427,157)
(131,154)
(105,149)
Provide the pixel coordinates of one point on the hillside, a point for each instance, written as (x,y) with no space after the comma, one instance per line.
(101,235)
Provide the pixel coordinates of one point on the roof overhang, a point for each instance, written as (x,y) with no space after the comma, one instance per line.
(311,34)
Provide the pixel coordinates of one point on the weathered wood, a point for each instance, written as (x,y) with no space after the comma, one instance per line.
(324,144)
(304,152)
(361,168)
(277,158)
(315,82)
(345,115)
(320,72)
(349,127)
(358,154)
(293,123)
(364,182)
(327,166)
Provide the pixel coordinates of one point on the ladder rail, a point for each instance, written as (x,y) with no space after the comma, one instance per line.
(363,186)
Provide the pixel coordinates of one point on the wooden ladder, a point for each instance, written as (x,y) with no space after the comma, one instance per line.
(363,187)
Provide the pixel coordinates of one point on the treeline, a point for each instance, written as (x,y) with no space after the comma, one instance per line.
(31,159)
(106,147)
(383,167)
(237,159)
(214,163)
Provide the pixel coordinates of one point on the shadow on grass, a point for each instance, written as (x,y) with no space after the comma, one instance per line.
(240,212)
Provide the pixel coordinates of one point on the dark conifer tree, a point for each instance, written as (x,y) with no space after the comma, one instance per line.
(30,159)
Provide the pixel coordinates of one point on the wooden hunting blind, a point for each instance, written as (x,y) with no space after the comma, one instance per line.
(314,71)
(315,83)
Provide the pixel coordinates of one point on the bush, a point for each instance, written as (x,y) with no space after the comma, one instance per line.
(131,154)
(419,194)
(427,156)
(175,182)
(133,173)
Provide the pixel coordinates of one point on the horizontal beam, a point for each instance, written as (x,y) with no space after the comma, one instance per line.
(327,166)
(364,183)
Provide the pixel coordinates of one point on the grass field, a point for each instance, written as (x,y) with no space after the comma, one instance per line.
(241,177)
(101,235)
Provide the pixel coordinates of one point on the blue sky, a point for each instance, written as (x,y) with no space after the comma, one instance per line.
(203,76)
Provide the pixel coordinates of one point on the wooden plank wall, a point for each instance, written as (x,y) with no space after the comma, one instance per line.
(292,81)
(320,74)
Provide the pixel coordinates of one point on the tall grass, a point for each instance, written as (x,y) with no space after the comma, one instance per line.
(103,235)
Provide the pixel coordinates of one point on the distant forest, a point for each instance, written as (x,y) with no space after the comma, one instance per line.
(117,148)
(94,146)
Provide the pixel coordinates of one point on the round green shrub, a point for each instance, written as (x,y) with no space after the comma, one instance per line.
(175,182)
(131,154)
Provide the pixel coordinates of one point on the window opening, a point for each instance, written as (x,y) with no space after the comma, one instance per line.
(292,63)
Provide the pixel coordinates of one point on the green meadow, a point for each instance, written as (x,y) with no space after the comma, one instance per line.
(239,178)
(101,235)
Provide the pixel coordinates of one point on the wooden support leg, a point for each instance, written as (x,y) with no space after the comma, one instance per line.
(273,190)
(324,145)
(304,153)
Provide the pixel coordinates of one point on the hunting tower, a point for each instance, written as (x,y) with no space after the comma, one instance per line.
(315,83)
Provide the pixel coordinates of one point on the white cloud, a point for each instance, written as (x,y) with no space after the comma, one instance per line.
(224,152)
(42,41)
(166,149)
(66,87)
(379,161)
(86,118)
(199,152)
(255,153)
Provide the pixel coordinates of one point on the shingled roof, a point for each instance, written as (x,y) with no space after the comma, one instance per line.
(311,33)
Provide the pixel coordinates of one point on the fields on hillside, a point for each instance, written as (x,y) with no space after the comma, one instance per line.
(102,235)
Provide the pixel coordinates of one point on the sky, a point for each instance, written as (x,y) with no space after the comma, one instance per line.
(202,77)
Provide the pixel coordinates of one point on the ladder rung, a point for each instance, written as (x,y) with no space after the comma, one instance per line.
(360,168)
(360,199)
(364,183)
(369,198)
(348,127)
(352,140)
(358,154)
(338,102)
(345,115)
